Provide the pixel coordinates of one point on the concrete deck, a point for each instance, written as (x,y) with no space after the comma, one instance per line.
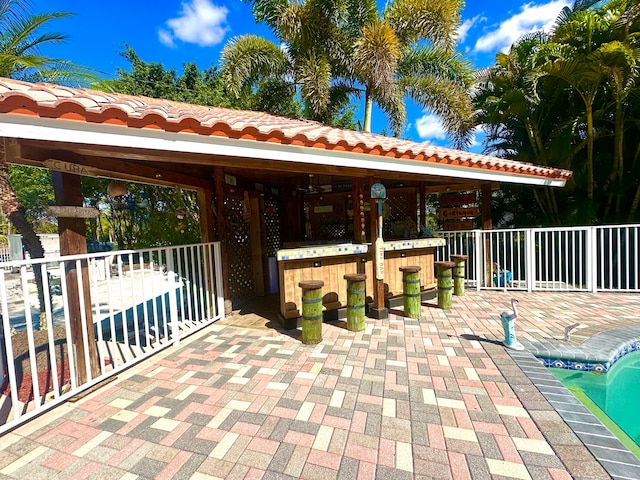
(437,397)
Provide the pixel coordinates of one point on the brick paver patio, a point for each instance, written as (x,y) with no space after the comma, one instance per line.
(437,397)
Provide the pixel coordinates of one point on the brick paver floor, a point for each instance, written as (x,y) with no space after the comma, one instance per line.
(437,397)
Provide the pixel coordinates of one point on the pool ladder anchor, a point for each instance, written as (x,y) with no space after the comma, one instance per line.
(567,331)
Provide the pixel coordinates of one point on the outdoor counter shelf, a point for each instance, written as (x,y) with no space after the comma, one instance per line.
(330,263)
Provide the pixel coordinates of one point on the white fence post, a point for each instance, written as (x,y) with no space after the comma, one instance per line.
(217,256)
(173,301)
(530,259)
(478,239)
(592,259)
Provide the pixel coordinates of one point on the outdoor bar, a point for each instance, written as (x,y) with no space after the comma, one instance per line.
(330,263)
(342,237)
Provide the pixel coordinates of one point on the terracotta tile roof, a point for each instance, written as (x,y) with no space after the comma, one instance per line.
(79,104)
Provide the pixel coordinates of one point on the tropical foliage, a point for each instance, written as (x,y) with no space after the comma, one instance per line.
(570,99)
(331,51)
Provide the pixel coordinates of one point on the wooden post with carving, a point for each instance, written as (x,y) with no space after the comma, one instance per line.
(67,188)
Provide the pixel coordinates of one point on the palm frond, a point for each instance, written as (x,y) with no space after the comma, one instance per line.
(376,55)
(313,73)
(448,101)
(436,62)
(415,20)
(248,59)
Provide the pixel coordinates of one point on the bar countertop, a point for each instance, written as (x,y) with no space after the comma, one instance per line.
(333,250)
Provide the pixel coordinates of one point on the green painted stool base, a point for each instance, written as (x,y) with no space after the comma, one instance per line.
(458,273)
(311,311)
(355,301)
(445,287)
(411,291)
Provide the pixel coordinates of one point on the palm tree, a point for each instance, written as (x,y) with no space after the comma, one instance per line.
(519,125)
(330,49)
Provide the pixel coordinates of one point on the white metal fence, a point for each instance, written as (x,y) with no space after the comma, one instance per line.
(138,302)
(593,259)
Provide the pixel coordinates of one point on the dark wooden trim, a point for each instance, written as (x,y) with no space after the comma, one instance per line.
(68,192)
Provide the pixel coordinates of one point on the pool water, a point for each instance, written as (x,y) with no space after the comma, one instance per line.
(616,393)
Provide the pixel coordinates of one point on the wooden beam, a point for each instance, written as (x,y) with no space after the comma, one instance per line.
(423,206)
(72,212)
(68,191)
(205,207)
(222,236)
(378,310)
(105,167)
(460,187)
(11,150)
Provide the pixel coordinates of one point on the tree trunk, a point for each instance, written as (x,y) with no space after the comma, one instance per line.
(15,212)
(368,106)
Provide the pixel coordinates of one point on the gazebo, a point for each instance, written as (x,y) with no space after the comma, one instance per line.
(281,182)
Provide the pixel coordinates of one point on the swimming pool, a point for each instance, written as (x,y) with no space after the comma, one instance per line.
(615,393)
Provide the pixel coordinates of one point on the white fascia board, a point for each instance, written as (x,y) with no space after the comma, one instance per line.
(35,128)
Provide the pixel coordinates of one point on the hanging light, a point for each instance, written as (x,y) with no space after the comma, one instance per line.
(116,189)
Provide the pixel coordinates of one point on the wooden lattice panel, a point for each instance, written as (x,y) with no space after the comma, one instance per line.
(326,216)
(240,273)
(272,226)
(397,207)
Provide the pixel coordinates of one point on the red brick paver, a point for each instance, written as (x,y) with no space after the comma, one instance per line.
(405,398)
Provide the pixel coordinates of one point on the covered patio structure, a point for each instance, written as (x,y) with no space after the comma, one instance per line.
(264,182)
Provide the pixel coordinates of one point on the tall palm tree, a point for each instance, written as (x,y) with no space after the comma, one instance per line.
(331,48)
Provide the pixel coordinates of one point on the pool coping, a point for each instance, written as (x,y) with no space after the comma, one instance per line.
(599,353)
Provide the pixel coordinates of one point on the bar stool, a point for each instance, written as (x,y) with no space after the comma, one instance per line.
(458,273)
(355,301)
(311,311)
(411,291)
(443,270)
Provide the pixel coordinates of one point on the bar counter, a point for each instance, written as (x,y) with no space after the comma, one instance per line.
(330,263)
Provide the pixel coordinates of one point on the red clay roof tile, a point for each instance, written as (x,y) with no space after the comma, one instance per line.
(55,101)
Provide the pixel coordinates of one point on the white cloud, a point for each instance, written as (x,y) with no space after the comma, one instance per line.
(200,22)
(466,26)
(430,127)
(531,18)
(430,130)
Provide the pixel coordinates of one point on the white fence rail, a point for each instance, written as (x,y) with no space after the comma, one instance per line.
(592,259)
(138,303)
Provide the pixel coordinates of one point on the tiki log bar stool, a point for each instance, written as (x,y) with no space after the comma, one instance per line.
(443,270)
(311,311)
(411,290)
(355,301)
(458,273)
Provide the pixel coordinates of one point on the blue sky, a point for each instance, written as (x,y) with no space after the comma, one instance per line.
(174,32)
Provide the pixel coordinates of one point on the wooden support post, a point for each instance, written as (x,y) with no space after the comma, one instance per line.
(458,273)
(378,310)
(487,224)
(207,221)
(311,311)
(445,300)
(256,245)
(411,291)
(207,227)
(423,207)
(355,301)
(68,192)
(222,235)
(357,194)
